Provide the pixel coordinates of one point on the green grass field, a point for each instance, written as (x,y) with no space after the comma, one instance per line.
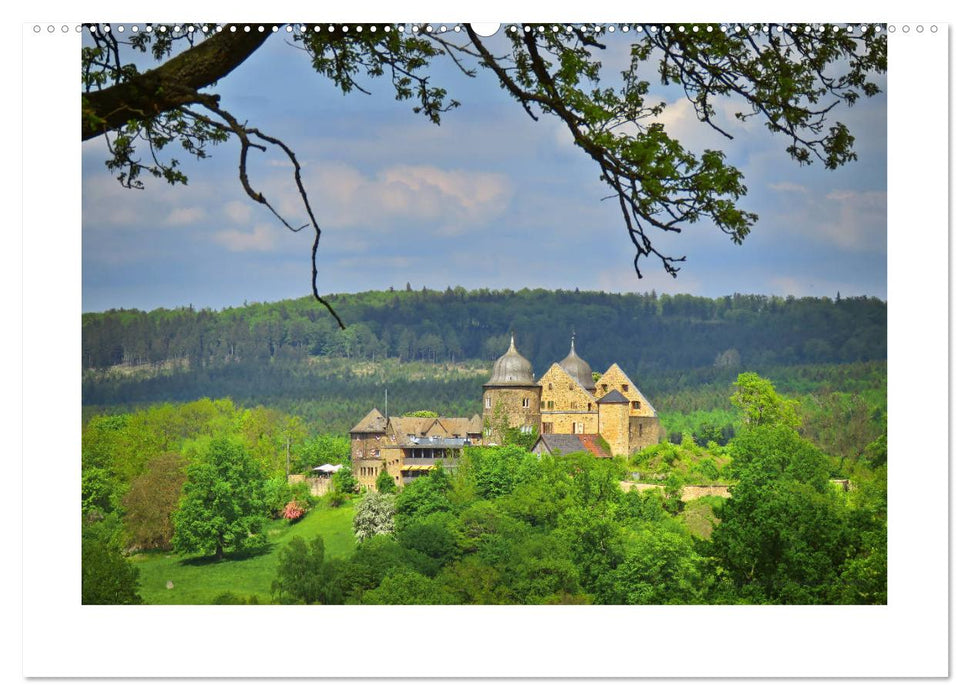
(197,580)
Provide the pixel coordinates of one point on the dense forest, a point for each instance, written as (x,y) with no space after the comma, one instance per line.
(643,332)
(432,350)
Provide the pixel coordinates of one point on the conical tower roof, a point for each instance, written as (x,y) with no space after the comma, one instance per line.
(578,368)
(512,369)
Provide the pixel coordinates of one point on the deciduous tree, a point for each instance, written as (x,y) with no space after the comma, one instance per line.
(152,499)
(222,504)
(305,575)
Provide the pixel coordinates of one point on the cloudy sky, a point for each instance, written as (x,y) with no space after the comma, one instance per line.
(488,199)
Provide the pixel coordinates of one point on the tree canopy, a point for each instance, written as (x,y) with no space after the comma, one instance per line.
(788,77)
(222,504)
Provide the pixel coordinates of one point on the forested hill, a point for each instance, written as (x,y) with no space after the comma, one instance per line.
(644,333)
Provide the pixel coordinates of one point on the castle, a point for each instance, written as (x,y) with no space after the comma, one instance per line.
(567,400)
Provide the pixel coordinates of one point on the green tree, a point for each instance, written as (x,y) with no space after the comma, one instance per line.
(222,504)
(152,499)
(107,577)
(99,491)
(305,575)
(783,536)
(343,481)
(432,541)
(385,483)
(407,587)
(661,567)
(761,404)
(374,515)
(790,76)
(364,570)
(323,449)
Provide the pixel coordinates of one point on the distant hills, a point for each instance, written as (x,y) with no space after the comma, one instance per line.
(644,333)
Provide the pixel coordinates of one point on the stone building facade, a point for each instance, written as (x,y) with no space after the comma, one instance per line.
(566,400)
(408,447)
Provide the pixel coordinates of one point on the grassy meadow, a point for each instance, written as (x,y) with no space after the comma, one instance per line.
(198,580)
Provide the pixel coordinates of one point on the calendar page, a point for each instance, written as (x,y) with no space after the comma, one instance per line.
(594,349)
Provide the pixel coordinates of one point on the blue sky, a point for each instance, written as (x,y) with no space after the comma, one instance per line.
(488,199)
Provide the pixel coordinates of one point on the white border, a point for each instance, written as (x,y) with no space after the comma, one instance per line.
(906,638)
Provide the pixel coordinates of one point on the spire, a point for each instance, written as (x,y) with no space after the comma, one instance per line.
(512,341)
(573,338)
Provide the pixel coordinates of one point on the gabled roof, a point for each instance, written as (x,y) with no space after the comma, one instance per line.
(564,444)
(373,422)
(556,368)
(592,444)
(613,396)
(402,427)
(571,444)
(638,394)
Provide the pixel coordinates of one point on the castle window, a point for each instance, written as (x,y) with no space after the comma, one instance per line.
(488,402)
(604,388)
(589,406)
(624,387)
(551,387)
(637,405)
(547,428)
(640,429)
(525,403)
(578,428)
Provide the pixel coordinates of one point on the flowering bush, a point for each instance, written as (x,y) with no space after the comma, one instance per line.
(294,511)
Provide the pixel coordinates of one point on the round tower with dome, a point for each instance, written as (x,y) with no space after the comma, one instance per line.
(511,397)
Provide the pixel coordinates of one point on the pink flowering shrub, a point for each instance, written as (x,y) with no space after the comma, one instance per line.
(294,511)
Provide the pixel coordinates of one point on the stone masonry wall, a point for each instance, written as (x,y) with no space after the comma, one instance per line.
(511,399)
(615,427)
(644,431)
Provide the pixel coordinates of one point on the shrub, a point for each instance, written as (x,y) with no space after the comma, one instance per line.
(344,481)
(374,516)
(293,511)
(305,575)
(334,499)
(385,483)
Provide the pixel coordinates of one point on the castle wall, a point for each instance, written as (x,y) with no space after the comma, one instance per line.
(366,472)
(644,431)
(511,400)
(561,392)
(563,422)
(615,427)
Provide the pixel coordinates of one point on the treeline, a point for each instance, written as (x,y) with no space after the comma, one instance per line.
(642,332)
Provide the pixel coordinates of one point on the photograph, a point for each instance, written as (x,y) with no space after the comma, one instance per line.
(480,315)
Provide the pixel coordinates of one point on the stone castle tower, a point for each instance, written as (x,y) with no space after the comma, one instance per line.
(511,397)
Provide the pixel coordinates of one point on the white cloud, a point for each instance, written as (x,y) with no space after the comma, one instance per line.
(262,237)
(449,201)
(240,213)
(858,221)
(184,216)
(681,122)
(788,187)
